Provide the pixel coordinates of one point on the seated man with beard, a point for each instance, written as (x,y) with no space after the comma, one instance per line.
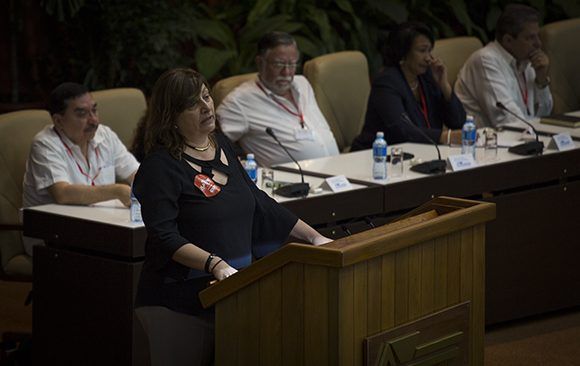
(278,100)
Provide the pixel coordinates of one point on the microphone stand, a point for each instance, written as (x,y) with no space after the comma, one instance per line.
(527,148)
(429,167)
(293,189)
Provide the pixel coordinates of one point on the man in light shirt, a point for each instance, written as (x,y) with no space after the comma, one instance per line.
(281,101)
(76,160)
(512,70)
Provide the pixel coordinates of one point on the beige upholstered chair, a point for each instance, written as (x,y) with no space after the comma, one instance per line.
(341,83)
(454,52)
(121,109)
(225,86)
(17,129)
(560,41)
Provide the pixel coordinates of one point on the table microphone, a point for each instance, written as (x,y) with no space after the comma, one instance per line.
(527,148)
(428,167)
(293,189)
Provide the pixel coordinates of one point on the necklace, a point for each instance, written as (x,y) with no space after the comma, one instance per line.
(415,85)
(200,149)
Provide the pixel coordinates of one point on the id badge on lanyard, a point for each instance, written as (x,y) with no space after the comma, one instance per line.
(303,134)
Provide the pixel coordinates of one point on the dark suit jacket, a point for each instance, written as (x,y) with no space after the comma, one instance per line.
(391,96)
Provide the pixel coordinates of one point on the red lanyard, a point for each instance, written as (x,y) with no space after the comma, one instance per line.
(424,109)
(298,113)
(524,90)
(68,149)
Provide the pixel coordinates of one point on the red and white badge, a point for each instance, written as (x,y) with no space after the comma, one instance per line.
(206,185)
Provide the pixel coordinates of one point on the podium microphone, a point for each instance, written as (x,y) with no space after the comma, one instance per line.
(527,148)
(293,189)
(428,167)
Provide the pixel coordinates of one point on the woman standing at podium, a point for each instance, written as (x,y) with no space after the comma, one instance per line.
(412,96)
(205,218)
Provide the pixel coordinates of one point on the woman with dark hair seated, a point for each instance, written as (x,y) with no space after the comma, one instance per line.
(205,218)
(413,88)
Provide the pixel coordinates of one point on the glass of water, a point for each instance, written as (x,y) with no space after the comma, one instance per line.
(397,167)
(490,144)
(267,180)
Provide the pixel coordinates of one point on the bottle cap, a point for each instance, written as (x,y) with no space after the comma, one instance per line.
(250,156)
(380,134)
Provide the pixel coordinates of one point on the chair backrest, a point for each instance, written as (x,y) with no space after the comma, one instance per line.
(560,41)
(223,87)
(454,52)
(17,129)
(341,83)
(121,109)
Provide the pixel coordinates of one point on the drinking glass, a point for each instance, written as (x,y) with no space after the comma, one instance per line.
(397,166)
(267,181)
(490,144)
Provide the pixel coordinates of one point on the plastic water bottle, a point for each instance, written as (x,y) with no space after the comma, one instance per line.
(251,168)
(468,136)
(135,208)
(380,157)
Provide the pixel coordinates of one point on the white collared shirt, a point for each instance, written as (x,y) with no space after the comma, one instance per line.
(55,159)
(248,110)
(491,75)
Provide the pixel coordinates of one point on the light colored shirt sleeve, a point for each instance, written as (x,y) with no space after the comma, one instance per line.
(125,163)
(48,165)
(544,99)
(232,118)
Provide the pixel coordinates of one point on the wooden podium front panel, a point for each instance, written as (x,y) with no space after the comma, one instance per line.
(305,314)
(397,288)
(286,318)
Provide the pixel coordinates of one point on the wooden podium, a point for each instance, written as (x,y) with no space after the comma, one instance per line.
(410,292)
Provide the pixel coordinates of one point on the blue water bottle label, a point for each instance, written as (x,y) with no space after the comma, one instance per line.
(380,151)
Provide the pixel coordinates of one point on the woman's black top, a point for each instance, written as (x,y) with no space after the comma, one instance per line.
(239,223)
(391,96)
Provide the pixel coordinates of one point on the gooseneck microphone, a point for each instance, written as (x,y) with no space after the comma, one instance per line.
(429,167)
(527,148)
(293,189)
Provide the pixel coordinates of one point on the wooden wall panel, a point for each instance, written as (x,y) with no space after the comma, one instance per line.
(454,268)
(478,300)
(346,316)
(293,310)
(415,274)
(226,339)
(466,264)
(271,319)
(360,309)
(401,286)
(388,283)
(441,273)
(249,313)
(374,296)
(316,316)
(427,277)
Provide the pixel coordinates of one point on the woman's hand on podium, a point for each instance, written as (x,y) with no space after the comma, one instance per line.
(223,270)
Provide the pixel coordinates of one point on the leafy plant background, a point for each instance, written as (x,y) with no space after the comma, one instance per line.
(111,43)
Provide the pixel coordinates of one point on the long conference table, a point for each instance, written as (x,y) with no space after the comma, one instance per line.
(85,278)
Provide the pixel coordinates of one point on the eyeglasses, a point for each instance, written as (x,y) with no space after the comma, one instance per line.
(277,65)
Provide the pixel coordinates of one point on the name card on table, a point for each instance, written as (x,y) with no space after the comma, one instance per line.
(461,162)
(338,183)
(561,142)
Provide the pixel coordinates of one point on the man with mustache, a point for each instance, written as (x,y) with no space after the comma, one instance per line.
(76,160)
(281,101)
(512,70)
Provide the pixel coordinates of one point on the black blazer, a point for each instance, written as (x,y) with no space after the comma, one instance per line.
(391,96)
